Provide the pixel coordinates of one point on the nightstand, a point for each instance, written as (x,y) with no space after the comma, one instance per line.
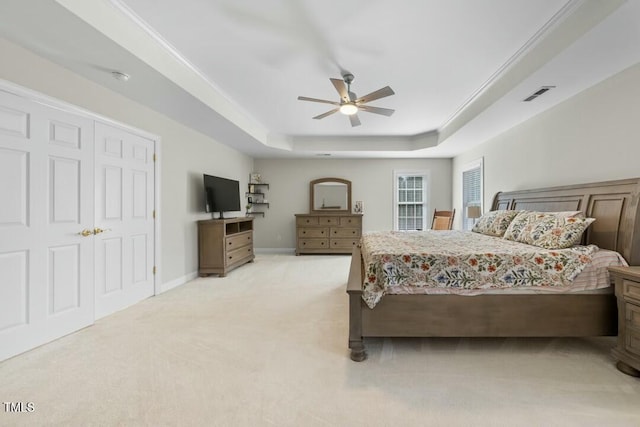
(627,350)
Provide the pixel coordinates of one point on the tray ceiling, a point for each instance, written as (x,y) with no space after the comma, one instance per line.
(233,69)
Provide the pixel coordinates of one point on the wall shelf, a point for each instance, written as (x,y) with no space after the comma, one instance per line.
(256,197)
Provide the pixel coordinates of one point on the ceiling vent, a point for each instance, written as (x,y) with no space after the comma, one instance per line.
(537,93)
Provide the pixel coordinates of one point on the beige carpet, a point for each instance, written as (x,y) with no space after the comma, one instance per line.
(267,346)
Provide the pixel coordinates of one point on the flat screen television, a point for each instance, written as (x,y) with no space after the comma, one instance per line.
(221,195)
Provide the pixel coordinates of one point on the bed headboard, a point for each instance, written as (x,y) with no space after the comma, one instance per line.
(614,205)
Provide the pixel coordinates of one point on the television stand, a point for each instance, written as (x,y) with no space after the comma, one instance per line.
(224,244)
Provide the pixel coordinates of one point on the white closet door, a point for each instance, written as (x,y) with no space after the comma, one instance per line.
(124,210)
(46,200)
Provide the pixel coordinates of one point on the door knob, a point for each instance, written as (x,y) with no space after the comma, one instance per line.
(98,230)
(86,232)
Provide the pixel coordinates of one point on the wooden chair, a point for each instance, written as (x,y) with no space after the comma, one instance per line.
(442,220)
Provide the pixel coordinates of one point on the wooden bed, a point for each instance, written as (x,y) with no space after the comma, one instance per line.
(614,204)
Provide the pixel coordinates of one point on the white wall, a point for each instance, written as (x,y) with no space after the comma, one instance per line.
(594,136)
(371,182)
(185,153)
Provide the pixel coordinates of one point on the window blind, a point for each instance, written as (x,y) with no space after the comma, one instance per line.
(471,192)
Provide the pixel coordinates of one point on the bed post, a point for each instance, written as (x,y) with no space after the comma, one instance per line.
(354,289)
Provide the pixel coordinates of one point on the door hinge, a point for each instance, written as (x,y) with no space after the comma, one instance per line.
(155,157)
(154,269)
(154,214)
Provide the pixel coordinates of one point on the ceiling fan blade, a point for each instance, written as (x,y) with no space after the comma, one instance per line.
(324,101)
(341,88)
(328,113)
(380,93)
(377,110)
(355,120)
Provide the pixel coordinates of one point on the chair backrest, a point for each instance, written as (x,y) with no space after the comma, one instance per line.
(442,220)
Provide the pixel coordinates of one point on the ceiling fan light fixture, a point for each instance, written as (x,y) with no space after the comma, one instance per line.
(348,109)
(349,103)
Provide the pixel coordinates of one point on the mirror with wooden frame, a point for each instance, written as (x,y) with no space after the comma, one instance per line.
(330,195)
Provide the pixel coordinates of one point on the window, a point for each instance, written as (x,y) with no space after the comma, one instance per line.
(410,200)
(471,190)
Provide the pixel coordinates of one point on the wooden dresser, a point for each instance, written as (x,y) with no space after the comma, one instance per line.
(627,350)
(224,244)
(335,233)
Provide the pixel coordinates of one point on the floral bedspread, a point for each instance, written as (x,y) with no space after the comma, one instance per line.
(462,260)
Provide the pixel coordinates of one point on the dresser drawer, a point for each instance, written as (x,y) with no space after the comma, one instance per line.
(313,243)
(632,314)
(328,220)
(306,220)
(238,255)
(351,221)
(345,232)
(238,240)
(309,233)
(344,243)
(632,341)
(631,290)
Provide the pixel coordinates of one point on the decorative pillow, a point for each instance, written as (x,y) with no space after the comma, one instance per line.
(519,223)
(549,230)
(559,233)
(494,223)
(524,220)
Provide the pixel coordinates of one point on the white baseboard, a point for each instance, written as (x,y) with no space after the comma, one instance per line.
(287,251)
(177,282)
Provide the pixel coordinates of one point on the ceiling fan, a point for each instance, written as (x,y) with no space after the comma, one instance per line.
(350,104)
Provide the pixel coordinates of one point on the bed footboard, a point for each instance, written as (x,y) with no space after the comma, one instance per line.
(548,315)
(354,289)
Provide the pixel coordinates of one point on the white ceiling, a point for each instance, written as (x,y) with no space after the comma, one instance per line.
(234,68)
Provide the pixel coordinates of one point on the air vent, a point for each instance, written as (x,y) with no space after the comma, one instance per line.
(537,93)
